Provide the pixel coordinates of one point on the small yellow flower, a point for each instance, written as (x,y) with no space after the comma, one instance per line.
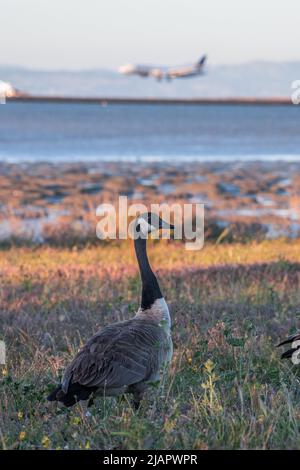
(4,372)
(87,445)
(45,442)
(209,366)
(20,414)
(169,425)
(261,419)
(126,417)
(22,435)
(190,360)
(76,420)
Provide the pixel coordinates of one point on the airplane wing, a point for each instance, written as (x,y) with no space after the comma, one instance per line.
(142,71)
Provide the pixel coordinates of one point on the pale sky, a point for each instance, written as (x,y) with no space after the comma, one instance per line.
(77,34)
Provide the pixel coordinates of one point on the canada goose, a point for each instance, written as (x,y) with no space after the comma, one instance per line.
(125,357)
(294,351)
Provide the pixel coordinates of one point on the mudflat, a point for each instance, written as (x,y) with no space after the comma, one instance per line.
(38,198)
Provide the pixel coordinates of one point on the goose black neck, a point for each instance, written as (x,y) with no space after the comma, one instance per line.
(150,287)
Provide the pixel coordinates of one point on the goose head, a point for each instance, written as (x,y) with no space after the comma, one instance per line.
(150,222)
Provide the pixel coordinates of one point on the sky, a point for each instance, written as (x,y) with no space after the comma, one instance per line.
(76,34)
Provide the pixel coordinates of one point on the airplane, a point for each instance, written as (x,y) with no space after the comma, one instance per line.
(6,89)
(168,73)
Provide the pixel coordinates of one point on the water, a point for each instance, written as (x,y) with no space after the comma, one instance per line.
(89,132)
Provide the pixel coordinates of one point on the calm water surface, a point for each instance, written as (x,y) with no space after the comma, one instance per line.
(75,132)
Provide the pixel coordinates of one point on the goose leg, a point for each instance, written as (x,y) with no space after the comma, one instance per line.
(138,393)
(137,398)
(90,402)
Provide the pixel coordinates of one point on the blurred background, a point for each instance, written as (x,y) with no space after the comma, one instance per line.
(203,112)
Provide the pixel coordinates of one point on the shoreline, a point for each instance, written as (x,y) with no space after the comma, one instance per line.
(104,101)
(172,161)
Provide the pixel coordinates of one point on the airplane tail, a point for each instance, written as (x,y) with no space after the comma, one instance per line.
(201,61)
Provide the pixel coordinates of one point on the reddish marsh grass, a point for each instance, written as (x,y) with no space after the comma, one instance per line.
(226,388)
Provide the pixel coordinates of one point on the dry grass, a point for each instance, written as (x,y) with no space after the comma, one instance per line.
(227,387)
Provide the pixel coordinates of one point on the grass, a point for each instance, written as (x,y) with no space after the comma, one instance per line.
(226,388)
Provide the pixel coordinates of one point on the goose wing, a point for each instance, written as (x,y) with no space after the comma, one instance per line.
(120,355)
